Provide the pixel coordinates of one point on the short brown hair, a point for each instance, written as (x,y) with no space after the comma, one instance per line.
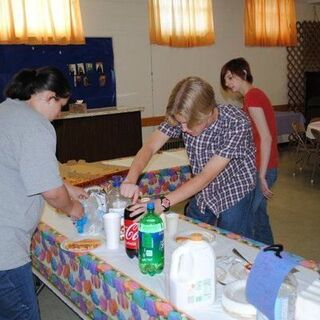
(238,66)
(192,98)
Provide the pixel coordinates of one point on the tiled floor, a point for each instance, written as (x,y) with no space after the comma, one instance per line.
(295,208)
(295,217)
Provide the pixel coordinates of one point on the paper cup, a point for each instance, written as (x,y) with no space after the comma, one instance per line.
(163,217)
(172,222)
(112,223)
(121,212)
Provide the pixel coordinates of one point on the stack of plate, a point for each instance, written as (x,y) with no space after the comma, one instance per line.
(308,302)
(235,303)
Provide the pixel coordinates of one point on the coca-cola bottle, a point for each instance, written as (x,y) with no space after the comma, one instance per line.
(131,238)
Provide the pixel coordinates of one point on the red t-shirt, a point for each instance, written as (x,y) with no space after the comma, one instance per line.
(257,99)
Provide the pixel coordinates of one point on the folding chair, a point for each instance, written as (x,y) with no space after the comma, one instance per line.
(316,164)
(304,146)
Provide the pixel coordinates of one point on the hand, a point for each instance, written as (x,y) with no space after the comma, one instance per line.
(130,190)
(142,207)
(77,210)
(137,209)
(76,193)
(265,188)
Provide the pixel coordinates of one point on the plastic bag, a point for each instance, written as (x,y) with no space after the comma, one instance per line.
(94,209)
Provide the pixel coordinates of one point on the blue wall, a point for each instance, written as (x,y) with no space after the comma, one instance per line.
(89,68)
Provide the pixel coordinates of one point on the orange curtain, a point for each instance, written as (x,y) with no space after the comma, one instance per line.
(41,22)
(270,23)
(181,23)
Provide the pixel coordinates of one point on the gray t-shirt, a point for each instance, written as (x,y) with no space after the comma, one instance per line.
(28,167)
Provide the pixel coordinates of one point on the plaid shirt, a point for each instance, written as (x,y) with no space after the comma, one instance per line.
(229,137)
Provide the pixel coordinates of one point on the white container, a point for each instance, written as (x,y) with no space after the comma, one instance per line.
(112,229)
(192,280)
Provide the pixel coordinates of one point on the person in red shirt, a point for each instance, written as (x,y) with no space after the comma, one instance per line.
(236,77)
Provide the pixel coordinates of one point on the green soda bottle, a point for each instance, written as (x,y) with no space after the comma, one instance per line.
(151,242)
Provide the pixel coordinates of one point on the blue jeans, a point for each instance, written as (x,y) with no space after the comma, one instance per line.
(234,219)
(261,229)
(18,299)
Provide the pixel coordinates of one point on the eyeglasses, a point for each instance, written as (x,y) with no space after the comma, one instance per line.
(55,98)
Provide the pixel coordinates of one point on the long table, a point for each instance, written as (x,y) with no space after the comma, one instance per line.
(284,120)
(107,284)
(312,125)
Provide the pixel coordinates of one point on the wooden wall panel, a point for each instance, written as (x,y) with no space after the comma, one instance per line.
(98,138)
(301,58)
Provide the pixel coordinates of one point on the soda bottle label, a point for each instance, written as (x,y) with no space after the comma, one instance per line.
(131,234)
(152,247)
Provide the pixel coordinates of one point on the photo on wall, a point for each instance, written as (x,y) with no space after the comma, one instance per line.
(99,67)
(72,69)
(80,68)
(89,67)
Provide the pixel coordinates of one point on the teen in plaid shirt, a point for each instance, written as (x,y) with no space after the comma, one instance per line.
(220,148)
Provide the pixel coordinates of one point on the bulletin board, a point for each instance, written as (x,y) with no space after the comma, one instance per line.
(89,68)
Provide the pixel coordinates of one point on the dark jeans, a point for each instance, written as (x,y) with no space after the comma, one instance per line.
(17,294)
(234,219)
(261,229)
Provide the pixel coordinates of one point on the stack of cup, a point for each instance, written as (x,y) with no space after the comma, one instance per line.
(171,224)
(112,222)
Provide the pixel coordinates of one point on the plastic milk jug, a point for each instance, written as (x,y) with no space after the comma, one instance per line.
(192,280)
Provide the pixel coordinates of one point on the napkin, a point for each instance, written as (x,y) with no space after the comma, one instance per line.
(308,302)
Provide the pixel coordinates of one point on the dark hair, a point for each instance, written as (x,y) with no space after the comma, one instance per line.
(238,66)
(29,81)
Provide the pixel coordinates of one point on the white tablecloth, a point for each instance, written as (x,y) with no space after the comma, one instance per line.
(158,284)
(312,125)
(164,159)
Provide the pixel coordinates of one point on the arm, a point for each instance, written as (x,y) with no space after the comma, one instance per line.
(191,187)
(260,122)
(76,193)
(211,170)
(129,188)
(60,199)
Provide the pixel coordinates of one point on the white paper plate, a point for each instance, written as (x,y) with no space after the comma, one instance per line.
(234,301)
(65,244)
(207,236)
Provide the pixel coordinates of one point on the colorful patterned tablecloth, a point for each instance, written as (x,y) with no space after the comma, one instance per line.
(100,290)
(157,182)
(95,287)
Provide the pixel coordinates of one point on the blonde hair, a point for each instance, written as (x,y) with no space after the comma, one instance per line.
(192,98)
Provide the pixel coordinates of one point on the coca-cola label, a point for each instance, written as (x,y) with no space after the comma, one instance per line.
(131,234)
